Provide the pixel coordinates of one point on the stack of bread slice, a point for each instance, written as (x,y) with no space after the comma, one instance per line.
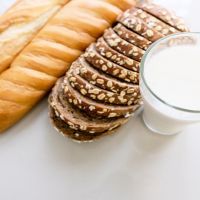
(101,90)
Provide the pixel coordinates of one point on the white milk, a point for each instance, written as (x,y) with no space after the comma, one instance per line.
(173,75)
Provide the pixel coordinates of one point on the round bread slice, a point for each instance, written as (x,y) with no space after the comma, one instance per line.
(152,21)
(140,27)
(103,64)
(101,80)
(107,52)
(65,130)
(78,136)
(131,37)
(91,91)
(76,119)
(122,46)
(164,15)
(95,109)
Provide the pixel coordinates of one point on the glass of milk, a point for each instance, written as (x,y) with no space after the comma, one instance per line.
(170,83)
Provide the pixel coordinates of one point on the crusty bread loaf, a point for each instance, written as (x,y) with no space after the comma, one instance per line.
(36,69)
(103,84)
(21,23)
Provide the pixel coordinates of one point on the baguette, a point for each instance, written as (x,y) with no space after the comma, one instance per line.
(35,70)
(21,23)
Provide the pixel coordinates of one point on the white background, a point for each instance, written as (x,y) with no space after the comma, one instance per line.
(38,164)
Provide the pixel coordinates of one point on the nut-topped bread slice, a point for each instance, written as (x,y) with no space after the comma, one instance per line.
(131,36)
(76,135)
(139,26)
(93,92)
(95,109)
(122,46)
(103,64)
(106,51)
(102,80)
(152,21)
(164,15)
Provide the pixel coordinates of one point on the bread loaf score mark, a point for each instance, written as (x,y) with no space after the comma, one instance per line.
(103,83)
(20,24)
(51,52)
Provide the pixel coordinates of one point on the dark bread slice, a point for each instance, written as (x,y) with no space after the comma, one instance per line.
(93,108)
(93,92)
(103,64)
(65,130)
(78,136)
(132,37)
(106,51)
(101,80)
(76,119)
(152,21)
(140,27)
(122,46)
(164,15)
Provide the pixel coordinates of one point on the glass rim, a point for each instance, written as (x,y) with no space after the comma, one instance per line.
(142,66)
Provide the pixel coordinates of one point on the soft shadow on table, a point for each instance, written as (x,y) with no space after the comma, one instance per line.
(133,136)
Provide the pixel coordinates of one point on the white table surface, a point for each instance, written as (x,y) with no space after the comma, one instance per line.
(38,164)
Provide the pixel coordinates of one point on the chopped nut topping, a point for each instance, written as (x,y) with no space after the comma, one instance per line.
(94,76)
(116,71)
(138,27)
(111,115)
(75,101)
(101,62)
(109,84)
(83,91)
(66,89)
(114,57)
(91,108)
(150,33)
(72,79)
(165,31)
(130,102)
(108,54)
(158,28)
(100,81)
(104,68)
(101,96)
(94,91)
(109,65)
(129,62)
(112,99)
